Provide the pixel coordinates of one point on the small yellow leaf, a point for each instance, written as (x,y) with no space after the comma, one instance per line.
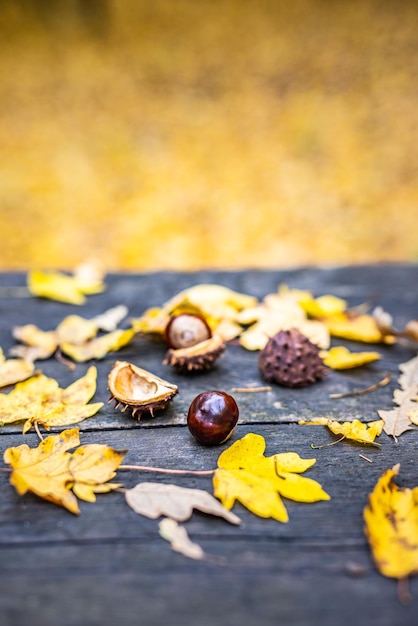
(64,287)
(357,431)
(359,328)
(324,306)
(340,358)
(245,474)
(391,518)
(100,346)
(45,470)
(13,371)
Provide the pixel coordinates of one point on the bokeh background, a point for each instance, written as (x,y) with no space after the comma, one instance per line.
(187,134)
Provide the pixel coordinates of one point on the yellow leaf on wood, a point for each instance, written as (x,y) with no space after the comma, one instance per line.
(13,371)
(100,346)
(359,328)
(64,287)
(91,466)
(357,431)
(45,470)
(258,482)
(340,358)
(391,518)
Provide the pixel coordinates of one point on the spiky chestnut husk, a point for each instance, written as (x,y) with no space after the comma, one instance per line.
(291,360)
(198,357)
(134,388)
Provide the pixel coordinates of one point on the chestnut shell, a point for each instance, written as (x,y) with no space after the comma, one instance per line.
(212,417)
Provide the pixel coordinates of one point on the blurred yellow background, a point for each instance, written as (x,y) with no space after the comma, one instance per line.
(189,134)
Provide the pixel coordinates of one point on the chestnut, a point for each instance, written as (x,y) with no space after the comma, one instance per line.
(212,417)
(186,330)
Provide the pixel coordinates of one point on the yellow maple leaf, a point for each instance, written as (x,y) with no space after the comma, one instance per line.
(45,470)
(356,328)
(258,482)
(40,400)
(13,371)
(72,289)
(357,431)
(74,335)
(91,467)
(51,472)
(391,518)
(340,358)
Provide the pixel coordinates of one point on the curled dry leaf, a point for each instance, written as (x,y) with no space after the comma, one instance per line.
(13,371)
(155,499)
(357,431)
(385,323)
(391,518)
(258,482)
(75,335)
(399,419)
(340,358)
(40,400)
(54,474)
(179,540)
(72,289)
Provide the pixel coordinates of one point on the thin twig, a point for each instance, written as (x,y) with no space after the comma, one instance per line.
(366,458)
(14,292)
(145,468)
(249,389)
(404,594)
(360,392)
(326,445)
(6,469)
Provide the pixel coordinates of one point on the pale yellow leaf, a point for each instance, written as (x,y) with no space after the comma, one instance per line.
(179,540)
(13,371)
(55,286)
(100,346)
(91,467)
(356,328)
(155,499)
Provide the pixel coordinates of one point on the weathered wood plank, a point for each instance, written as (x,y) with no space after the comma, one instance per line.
(109,565)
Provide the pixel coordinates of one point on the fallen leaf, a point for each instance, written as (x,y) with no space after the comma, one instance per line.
(54,285)
(391,518)
(398,420)
(45,470)
(340,358)
(179,540)
(91,467)
(357,431)
(385,324)
(246,475)
(52,473)
(155,499)
(356,328)
(278,312)
(13,371)
(40,400)
(74,335)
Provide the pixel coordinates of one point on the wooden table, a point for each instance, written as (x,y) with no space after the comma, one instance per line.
(109,566)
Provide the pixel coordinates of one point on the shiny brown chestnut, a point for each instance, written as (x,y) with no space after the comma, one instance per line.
(212,417)
(186,330)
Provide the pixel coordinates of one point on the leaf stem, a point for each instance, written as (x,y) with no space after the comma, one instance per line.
(326,445)
(145,468)
(38,432)
(5,469)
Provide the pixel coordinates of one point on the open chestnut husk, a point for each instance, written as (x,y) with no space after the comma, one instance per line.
(212,417)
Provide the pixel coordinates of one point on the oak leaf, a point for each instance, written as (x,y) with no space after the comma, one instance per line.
(87,279)
(54,474)
(75,336)
(357,431)
(13,371)
(40,400)
(155,499)
(399,420)
(258,482)
(391,519)
(179,540)
(339,358)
